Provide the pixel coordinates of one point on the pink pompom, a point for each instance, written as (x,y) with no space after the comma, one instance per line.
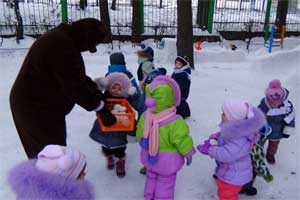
(150,103)
(275,84)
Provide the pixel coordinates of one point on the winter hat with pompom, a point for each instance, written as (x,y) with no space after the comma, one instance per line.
(275,93)
(116,78)
(61,160)
(237,110)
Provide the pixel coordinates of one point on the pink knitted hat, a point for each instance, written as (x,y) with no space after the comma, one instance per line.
(122,80)
(275,93)
(61,160)
(237,110)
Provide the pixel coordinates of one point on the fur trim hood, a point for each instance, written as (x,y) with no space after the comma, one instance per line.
(30,183)
(244,127)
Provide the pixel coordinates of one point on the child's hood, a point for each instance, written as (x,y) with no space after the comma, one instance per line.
(165,93)
(243,128)
(30,183)
(117,68)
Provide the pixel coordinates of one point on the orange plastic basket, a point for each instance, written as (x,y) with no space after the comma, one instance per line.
(128,117)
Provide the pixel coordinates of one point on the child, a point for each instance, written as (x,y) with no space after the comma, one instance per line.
(153,74)
(164,138)
(231,147)
(57,173)
(145,61)
(117,85)
(280,116)
(182,75)
(118,64)
(259,166)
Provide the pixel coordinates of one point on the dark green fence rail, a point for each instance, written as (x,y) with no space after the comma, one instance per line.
(160,16)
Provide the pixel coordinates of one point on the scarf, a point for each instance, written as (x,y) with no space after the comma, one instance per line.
(151,127)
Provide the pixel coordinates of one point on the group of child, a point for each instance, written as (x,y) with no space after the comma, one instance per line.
(164,137)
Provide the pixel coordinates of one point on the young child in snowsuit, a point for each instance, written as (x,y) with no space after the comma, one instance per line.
(260,168)
(117,85)
(182,75)
(231,147)
(118,64)
(145,61)
(164,138)
(154,73)
(57,173)
(280,116)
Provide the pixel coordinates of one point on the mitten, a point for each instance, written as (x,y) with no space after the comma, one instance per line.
(108,119)
(214,136)
(189,161)
(268,178)
(204,148)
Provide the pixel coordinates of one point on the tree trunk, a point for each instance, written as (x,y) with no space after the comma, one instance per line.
(19,28)
(104,14)
(160,4)
(185,30)
(136,21)
(113,5)
(82,4)
(281,13)
(202,14)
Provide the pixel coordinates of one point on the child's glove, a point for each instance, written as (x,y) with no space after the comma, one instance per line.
(108,119)
(189,161)
(265,130)
(268,178)
(214,136)
(204,148)
(144,143)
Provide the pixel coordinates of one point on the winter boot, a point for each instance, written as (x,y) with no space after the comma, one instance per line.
(250,191)
(271,151)
(120,167)
(110,162)
(143,170)
(271,159)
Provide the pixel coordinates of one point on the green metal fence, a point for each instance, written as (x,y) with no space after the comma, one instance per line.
(160,16)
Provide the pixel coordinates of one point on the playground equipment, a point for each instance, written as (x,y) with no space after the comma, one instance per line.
(274,40)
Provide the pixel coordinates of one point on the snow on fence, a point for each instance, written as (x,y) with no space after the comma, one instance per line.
(160,16)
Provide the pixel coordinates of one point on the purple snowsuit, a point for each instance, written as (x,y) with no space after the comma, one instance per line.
(232,153)
(30,183)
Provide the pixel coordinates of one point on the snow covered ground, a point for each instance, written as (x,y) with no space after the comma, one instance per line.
(220,74)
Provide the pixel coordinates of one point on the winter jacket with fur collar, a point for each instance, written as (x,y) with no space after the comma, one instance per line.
(30,183)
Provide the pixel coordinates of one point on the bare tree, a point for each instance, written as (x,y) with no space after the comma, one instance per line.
(19,26)
(185,30)
(113,4)
(160,4)
(202,14)
(104,13)
(281,13)
(136,21)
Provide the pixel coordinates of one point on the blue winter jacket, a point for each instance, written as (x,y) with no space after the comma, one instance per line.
(279,117)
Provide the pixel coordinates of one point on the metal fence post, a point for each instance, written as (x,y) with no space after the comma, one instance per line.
(210,16)
(64,11)
(142,16)
(267,20)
